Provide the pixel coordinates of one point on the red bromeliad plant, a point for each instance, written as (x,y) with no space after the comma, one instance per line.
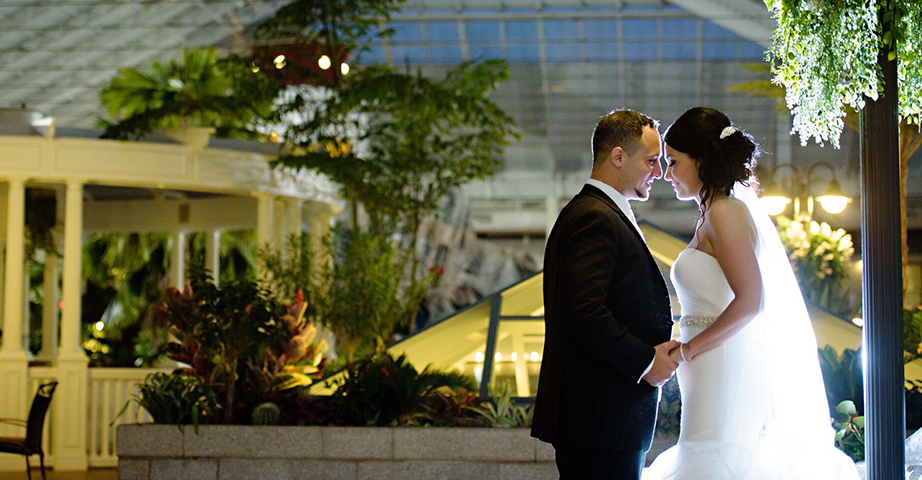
(238,331)
(299,361)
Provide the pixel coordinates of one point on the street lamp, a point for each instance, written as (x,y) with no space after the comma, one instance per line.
(776,202)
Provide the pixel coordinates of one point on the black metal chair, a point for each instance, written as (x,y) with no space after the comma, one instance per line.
(32,443)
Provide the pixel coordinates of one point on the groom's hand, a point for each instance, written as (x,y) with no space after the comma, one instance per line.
(663,366)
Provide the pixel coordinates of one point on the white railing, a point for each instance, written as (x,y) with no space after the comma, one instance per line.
(108,390)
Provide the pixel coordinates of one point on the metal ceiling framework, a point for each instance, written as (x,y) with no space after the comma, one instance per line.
(55,55)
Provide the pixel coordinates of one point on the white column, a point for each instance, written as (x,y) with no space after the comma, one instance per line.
(70,416)
(14,363)
(522,385)
(213,253)
(279,228)
(265,215)
(50,308)
(293,209)
(178,260)
(13,343)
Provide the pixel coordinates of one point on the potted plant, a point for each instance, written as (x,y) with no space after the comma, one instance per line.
(186,99)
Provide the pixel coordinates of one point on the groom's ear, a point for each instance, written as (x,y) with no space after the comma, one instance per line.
(617,156)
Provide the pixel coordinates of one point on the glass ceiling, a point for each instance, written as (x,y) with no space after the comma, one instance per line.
(557,35)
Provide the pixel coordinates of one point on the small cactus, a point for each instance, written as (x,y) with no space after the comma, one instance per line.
(266,414)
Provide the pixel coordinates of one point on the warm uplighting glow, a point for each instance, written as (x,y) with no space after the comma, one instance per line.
(834,203)
(279,62)
(775,205)
(858,321)
(478,357)
(344,68)
(99,326)
(535,356)
(515,356)
(498,357)
(324,62)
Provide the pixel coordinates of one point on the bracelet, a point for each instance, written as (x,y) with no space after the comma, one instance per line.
(682,352)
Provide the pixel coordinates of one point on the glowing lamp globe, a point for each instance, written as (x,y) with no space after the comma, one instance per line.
(834,201)
(775,204)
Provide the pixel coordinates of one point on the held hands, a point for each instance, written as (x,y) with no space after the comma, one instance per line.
(678,355)
(663,365)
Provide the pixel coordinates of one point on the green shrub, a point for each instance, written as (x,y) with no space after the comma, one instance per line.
(849,430)
(380,390)
(176,399)
(502,411)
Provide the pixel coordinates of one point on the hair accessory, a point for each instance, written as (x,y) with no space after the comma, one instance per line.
(727,132)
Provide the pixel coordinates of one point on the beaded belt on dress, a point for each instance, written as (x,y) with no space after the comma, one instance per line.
(696,321)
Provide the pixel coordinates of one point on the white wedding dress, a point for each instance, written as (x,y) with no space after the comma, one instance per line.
(753,408)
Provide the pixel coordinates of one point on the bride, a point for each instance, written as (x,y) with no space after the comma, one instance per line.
(753,401)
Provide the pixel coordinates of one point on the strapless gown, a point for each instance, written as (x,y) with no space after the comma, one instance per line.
(726,412)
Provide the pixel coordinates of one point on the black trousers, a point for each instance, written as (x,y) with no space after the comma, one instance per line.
(576,462)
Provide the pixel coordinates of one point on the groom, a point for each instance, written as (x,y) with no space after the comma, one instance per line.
(607,314)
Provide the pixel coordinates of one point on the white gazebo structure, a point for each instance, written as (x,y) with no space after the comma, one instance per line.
(162,187)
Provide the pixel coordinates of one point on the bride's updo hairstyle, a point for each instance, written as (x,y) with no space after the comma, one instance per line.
(725,154)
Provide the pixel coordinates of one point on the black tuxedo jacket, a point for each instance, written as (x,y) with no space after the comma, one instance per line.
(606,306)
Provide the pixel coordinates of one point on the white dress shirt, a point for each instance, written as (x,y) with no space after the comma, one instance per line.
(625,207)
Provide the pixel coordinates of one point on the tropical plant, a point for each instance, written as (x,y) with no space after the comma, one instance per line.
(825,54)
(503,412)
(220,332)
(196,91)
(843,376)
(454,408)
(420,139)
(340,28)
(176,399)
(820,257)
(381,390)
(849,430)
(290,271)
(910,140)
(912,340)
(296,360)
(361,296)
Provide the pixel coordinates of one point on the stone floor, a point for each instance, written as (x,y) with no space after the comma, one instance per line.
(92,474)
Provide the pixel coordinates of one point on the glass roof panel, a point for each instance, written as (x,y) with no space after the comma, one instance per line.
(600,29)
(442,31)
(518,30)
(479,31)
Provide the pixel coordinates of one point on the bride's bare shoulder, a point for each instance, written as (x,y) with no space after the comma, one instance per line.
(728,208)
(731,215)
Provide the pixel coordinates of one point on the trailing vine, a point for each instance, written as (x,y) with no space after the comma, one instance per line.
(824,53)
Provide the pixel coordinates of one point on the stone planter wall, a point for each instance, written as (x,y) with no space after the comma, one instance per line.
(218,452)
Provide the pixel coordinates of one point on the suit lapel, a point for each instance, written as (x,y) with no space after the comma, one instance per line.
(595,192)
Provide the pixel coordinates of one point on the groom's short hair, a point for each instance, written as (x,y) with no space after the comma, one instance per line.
(619,128)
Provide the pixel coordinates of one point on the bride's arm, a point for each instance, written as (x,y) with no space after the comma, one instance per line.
(732,236)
